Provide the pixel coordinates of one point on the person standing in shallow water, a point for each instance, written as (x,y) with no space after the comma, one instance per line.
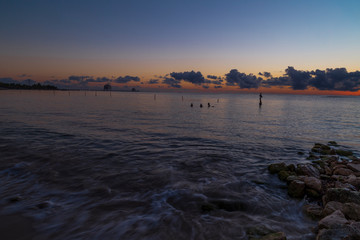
(260,97)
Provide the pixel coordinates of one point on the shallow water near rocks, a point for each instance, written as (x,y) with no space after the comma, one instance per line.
(128,166)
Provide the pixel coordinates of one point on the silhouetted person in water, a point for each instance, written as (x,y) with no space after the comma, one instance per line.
(200,105)
(191,105)
(209,104)
(260,97)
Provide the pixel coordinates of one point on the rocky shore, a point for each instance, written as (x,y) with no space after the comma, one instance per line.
(330,182)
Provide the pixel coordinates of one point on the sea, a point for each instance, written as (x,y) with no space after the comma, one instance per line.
(141,165)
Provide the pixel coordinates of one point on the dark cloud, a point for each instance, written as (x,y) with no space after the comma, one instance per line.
(153,81)
(212,77)
(336,79)
(28,82)
(265,74)
(103,79)
(218,82)
(234,77)
(127,79)
(172,82)
(192,77)
(8,80)
(205,86)
(79,78)
(278,82)
(24,75)
(217,86)
(299,79)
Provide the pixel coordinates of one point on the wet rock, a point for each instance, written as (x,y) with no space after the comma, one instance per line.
(333,221)
(351,211)
(307,170)
(331,207)
(354,181)
(344,185)
(342,171)
(283,175)
(334,234)
(291,168)
(311,193)
(273,236)
(296,189)
(313,183)
(321,163)
(314,211)
(354,167)
(332,143)
(256,232)
(342,195)
(343,152)
(277,167)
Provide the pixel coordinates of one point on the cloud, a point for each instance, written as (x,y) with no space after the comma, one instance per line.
(299,79)
(265,74)
(217,86)
(127,79)
(28,82)
(212,77)
(234,77)
(336,79)
(153,81)
(8,80)
(205,86)
(78,78)
(192,77)
(24,75)
(172,82)
(278,82)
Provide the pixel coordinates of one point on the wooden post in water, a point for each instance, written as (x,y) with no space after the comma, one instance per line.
(182,98)
(95,93)
(154,96)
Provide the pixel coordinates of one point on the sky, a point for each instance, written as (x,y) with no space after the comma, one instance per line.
(206,45)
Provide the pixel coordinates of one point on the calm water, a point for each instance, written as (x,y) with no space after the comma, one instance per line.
(127,166)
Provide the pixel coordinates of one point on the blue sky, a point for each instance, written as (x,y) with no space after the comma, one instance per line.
(144,38)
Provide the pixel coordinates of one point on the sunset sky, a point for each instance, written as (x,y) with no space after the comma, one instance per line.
(167,44)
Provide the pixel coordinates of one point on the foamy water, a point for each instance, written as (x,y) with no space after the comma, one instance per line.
(128,166)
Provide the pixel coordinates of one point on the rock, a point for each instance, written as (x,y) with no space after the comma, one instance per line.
(333,221)
(343,152)
(307,170)
(314,211)
(342,171)
(344,185)
(328,170)
(313,183)
(312,193)
(291,167)
(341,195)
(296,189)
(277,167)
(331,207)
(270,236)
(283,175)
(335,234)
(354,167)
(354,181)
(332,143)
(274,236)
(351,211)
(321,163)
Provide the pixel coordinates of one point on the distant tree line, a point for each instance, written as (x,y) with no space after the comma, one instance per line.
(37,86)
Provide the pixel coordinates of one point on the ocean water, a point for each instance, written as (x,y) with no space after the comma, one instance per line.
(95,165)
